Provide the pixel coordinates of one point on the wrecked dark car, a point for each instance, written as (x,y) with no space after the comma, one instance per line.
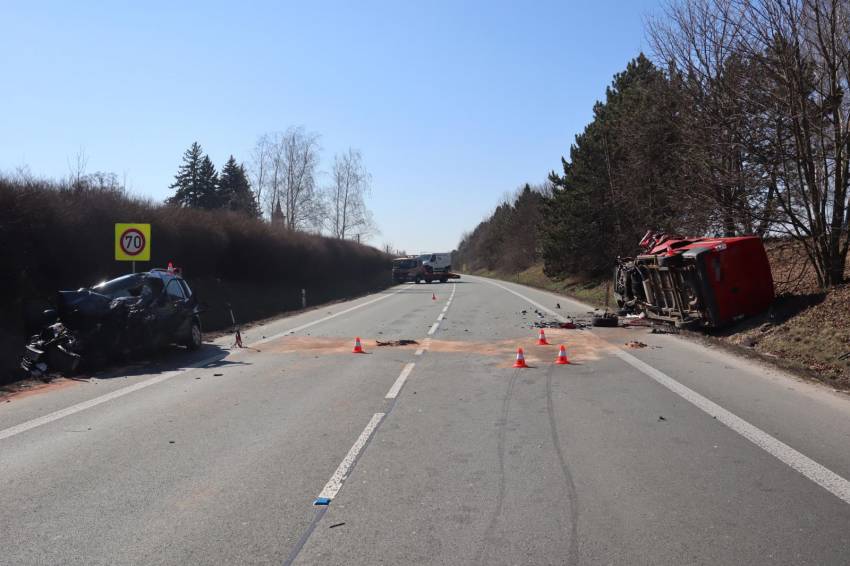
(695,282)
(129,315)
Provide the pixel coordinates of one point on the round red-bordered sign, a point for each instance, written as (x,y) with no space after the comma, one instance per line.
(132,241)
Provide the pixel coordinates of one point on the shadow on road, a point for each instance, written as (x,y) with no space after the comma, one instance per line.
(174,358)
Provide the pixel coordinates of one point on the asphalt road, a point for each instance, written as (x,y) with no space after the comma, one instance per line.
(438,452)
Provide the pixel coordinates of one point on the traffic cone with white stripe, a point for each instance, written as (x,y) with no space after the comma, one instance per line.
(541,339)
(520,359)
(358,348)
(562,358)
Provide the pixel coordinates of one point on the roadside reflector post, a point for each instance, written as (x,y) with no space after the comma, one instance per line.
(303,298)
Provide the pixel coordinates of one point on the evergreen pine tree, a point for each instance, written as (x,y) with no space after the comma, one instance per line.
(234,190)
(208,193)
(186,181)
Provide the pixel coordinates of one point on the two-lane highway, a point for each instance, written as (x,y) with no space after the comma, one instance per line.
(438,452)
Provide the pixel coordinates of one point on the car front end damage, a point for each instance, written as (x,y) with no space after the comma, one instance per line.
(114,320)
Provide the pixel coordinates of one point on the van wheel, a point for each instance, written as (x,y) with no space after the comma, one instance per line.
(443,280)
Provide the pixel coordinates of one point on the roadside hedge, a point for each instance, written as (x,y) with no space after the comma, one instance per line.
(53,237)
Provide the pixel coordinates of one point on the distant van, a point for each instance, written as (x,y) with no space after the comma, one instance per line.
(437,262)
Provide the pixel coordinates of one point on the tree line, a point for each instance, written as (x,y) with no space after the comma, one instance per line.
(281,184)
(738,126)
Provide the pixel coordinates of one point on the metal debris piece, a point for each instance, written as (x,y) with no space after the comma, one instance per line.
(402,342)
(663,330)
(635,344)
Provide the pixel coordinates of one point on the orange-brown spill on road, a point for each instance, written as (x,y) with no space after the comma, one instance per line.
(16,392)
(581,346)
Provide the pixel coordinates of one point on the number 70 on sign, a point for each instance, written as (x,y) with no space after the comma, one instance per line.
(132,242)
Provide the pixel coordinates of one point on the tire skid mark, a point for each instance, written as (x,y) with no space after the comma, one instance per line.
(572,494)
(500,450)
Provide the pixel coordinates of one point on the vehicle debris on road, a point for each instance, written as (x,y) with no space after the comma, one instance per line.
(402,342)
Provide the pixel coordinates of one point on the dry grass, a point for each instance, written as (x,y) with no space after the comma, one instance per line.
(591,291)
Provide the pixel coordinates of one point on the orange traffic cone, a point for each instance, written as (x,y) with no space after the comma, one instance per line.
(541,339)
(358,349)
(562,356)
(520,359)
(433,297)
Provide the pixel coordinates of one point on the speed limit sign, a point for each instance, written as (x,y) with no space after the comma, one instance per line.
(133,242)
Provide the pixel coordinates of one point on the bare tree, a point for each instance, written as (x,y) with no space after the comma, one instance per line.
(768,125)
(284,167)
(299,196)
(350,184)
(77,168)
(260,164)
(803,47)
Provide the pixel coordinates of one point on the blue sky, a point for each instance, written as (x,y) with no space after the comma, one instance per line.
(451,103)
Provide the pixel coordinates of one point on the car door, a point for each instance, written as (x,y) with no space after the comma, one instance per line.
(177,315)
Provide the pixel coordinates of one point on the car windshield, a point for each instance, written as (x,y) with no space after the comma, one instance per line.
(125,286)
(404,263)
(135,285)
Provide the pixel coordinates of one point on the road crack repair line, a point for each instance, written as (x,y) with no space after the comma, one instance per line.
(822,476)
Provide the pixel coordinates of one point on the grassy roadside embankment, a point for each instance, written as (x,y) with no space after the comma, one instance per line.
(586,290)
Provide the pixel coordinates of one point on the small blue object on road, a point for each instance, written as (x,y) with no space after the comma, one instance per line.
(322,501)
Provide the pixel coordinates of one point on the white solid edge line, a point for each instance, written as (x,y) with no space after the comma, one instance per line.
(819,474)
(341,474)
(824,477)
(326,318)
(68,411)
(399,382)
(441,317)
(433,328)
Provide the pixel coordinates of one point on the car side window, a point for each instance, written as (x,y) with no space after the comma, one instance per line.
(174,290)
(186,290)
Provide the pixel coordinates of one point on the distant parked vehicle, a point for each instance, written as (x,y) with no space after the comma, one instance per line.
(437,262)
(417,270)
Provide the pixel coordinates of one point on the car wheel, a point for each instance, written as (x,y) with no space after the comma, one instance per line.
(195,339)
